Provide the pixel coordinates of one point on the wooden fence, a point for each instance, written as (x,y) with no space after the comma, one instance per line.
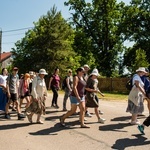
(110,84)
(113,84)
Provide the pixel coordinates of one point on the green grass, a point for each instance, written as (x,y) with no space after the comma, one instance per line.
(114,96)
(108,96)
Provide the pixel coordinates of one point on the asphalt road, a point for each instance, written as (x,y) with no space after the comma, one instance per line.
(116,133)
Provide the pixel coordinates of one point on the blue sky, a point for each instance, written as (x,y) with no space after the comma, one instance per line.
(20,14)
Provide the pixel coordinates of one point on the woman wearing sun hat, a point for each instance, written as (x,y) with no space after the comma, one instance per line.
(91,93)
(39,94)
(136,96)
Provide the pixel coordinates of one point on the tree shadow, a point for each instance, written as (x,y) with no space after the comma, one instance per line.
(56,128)
(122,144)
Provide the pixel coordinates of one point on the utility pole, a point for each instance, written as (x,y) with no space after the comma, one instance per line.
(0,47)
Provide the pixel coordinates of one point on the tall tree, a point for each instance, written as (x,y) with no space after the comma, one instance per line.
(97,23)
(136,29)
(47,45)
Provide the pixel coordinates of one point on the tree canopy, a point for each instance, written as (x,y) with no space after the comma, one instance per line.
(48,45)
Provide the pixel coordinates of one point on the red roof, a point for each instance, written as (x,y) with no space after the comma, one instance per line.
(5,55)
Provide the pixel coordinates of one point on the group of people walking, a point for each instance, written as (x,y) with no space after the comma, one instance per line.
(80,88)
(30,86)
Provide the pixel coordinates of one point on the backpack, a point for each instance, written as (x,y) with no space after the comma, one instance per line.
(64,83)
(129,84)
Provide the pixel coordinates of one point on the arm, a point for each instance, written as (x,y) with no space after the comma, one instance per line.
(49,86)
(75,83)
(68,84)
(95,91)
(34,84)
(137,84)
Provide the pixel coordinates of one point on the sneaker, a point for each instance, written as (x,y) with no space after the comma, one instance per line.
(141,129)
(88,114)
(135,122)
(85,119)
(7,116)
(20,116)
(101,120)
(62,122)
(40,122)
(57,106)
(101,113)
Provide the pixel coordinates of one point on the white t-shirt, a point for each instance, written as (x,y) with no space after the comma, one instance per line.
(3,80)
(137,78)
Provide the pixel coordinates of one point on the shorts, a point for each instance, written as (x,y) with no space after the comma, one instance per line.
(25,95)
(13,97)
(74,100)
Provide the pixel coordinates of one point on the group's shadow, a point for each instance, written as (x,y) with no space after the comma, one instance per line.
(124,118)
(122,144)
(55,117)
(56,128)
(114,127)
(13,126)
(121,118)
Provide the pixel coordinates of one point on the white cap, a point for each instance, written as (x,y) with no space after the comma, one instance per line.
(95,72)
(142,69)
(43,71)
(87,66)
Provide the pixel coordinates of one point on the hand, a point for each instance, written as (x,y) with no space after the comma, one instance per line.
(45,97)
(102,94)
(35,99)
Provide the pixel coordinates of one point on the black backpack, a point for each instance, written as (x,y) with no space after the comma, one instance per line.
(129,84)
(64,83)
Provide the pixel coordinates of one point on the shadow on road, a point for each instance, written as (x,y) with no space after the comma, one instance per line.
(114,127)
(122,144)
(13,126)
(57,127)
(124,118)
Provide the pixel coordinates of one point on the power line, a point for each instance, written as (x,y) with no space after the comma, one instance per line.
(17,29)
(13,34)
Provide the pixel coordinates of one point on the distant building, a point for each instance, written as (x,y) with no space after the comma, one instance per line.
(6,59)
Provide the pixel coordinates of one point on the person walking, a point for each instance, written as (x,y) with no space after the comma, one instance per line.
(136,96)
(77,98)
(85,76)
(91,94)
(3,90)
(24,91)
(39,94)
(146,81)
(146,123)
(54,85)
(12,91)
(68,88)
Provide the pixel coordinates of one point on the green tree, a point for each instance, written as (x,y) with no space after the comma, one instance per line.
(47,45)
(140,59)
(136,28)
(98,31)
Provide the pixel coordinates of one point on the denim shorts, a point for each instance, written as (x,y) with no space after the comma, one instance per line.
(74,100)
